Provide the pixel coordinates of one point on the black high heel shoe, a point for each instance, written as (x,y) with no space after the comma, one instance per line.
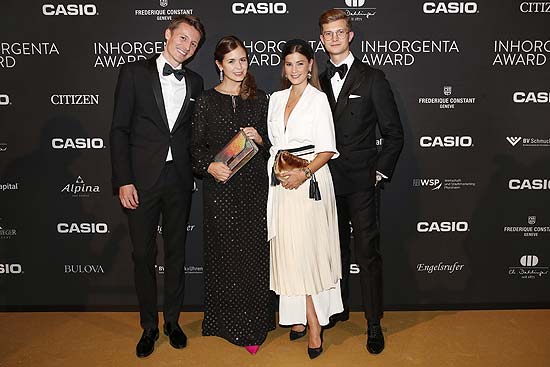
(315,352)
(297,334)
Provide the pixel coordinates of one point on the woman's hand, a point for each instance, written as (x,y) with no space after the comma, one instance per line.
(219,171)
(293,179)
(252,134)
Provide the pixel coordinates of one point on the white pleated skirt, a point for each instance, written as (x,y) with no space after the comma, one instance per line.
(305,251)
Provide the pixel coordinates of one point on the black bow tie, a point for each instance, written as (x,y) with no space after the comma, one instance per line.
(332,70)
(178,73)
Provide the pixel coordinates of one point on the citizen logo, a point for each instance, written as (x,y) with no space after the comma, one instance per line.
(259,8)
(513,140)
(78,99)
(450,8)
(11,269)
(535,7)
(425,227)
(78,143)
(82,228)
(531,97)
(84,269)
(529,184)
(4,100)
(433,183)
(69,9)
(446,141)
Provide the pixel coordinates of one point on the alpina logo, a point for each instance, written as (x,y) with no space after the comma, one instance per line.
(513,140)
(80,189)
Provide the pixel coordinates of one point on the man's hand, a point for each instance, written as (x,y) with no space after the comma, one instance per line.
(128,196)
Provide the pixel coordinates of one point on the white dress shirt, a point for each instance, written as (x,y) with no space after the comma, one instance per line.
(338,82)
(173,93)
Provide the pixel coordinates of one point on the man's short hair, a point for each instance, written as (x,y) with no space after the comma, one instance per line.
(333,15)
(192,20)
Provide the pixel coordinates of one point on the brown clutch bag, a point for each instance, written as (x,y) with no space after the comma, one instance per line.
(285,161)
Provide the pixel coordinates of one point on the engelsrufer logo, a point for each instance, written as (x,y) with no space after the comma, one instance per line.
(529,184)
(69,9)
(440,267)
(453,7)
(259,8)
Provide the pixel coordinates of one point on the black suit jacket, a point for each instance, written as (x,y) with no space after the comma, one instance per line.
(355,121)
(140,136)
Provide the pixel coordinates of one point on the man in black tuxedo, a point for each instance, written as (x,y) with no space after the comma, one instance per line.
(361,99)
(151,162)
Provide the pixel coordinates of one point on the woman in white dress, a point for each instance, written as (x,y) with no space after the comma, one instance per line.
(305,268)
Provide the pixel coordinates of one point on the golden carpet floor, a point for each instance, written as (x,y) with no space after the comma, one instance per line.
(518,338)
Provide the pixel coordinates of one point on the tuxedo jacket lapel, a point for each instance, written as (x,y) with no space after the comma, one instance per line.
(157,89)
(327,88)
(185,104)
(352,79)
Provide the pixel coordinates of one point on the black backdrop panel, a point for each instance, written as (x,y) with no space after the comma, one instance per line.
(465,222)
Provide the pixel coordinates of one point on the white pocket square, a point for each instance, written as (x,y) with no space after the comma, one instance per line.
(192,99)
(354,96)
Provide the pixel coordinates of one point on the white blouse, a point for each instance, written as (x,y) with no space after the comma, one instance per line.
(310,123)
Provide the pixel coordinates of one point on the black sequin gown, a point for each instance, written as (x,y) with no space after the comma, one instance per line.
(238,305)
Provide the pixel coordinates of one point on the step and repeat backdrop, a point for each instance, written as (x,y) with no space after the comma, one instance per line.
(465,221)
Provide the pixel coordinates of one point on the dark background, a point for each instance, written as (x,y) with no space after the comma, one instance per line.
(43,269)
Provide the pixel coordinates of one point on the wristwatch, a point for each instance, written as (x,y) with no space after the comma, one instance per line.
(307,172)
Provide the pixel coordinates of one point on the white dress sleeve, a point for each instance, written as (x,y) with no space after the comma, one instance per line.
(323,130)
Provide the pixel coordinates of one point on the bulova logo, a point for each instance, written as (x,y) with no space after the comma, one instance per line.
(529,184)
(82,228)
(80,189)
(433,183)
(78,99)
(78,143)
(513,140)
(452,7)
(259,8)
(531,97)
(4,100)
(535,7)
(11,269)
(84,269)
(424,227)
(446,141)
(69,9)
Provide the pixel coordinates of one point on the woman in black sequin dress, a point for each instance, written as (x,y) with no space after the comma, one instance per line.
(238,303)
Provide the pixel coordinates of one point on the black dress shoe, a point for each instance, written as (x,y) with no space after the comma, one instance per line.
(146,344)
(315,352)
(177,337)
(342,316)
(375,339)
(297,334)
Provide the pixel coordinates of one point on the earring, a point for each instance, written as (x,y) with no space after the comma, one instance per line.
(221,75)
(309,75)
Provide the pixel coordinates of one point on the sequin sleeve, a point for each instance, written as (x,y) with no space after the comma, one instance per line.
(200,149)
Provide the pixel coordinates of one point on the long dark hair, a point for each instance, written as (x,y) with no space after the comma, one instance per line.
(302,47)
(226,45)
